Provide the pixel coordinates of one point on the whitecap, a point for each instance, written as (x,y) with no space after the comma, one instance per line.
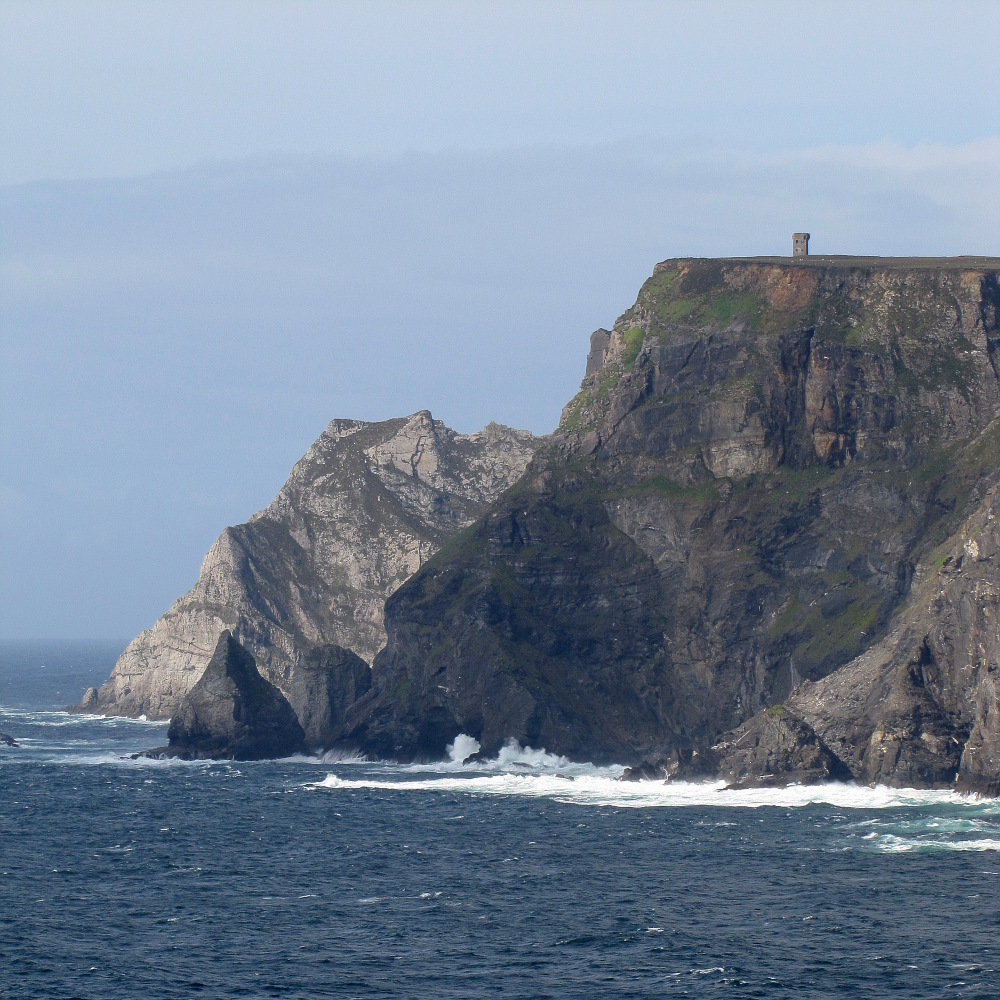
(113,720)
(58,717)
(512,758)
(336,756)
(122,760)
(341,757)
(891,844)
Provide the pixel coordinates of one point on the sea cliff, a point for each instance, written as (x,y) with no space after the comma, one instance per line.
(761,546)
(749,495)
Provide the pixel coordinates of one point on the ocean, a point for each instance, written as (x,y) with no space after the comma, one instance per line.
(526,876)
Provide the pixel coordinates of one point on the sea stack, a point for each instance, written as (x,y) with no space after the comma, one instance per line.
(232,713)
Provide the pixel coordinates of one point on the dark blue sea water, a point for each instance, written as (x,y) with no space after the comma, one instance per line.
(527,877)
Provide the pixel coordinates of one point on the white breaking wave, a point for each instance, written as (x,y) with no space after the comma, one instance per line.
(594,789)
(341,757)
(530,773)
(463,748)
(527,772)
(57,717)
(512,759)
(103,758)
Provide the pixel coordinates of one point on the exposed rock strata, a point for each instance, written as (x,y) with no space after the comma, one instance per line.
(922,707)
(366,506)
(232,713)
(736,502)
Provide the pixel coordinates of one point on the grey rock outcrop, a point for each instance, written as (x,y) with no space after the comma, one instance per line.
(600,340)
(232,713)
(321,686)
(365,507)
(774,748)
(7,741)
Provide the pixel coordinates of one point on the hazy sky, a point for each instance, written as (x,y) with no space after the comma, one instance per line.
(222,225)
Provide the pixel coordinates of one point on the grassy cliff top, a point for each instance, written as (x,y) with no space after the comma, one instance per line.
(895,296)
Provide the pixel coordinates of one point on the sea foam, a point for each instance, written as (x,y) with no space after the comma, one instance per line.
(527,772)
(462,749)
(534,773)
(512,758)
(889,844)
(596,789)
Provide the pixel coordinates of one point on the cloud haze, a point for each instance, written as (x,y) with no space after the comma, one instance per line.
(223,224)
(173,343)
(112,89)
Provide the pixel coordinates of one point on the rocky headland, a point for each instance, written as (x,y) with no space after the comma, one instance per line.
(764,495)
(304,582)
(761,546)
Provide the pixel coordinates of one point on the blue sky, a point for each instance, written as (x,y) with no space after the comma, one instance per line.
(222,225)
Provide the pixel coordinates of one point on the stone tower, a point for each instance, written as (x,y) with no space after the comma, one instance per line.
(800,244)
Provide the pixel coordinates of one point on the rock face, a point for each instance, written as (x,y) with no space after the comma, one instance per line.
(7,741)
(762,454)
(774,748)
(321,686)
(232,713)
(366,506)
(921,707)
